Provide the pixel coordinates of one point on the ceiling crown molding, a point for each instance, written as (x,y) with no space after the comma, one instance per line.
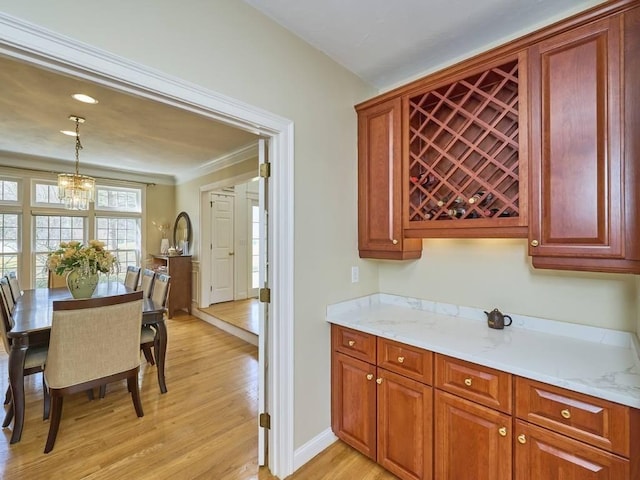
(242,154)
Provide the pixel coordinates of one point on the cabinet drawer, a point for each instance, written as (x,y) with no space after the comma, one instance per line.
(474,382)
(356,344)
(412,362)
(595,421)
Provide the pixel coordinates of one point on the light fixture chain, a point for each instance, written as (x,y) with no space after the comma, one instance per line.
(78,145)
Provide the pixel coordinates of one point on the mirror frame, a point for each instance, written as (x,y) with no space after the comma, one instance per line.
(182,216)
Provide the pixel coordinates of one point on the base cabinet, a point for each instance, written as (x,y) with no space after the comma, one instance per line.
(540,454)
(471,440)
(467,421)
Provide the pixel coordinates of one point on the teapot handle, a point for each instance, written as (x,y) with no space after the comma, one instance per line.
(510,320)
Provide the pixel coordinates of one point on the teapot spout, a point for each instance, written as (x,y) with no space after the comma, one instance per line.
(486,313)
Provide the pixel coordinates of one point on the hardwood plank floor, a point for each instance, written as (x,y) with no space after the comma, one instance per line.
(203,428)
(243,314)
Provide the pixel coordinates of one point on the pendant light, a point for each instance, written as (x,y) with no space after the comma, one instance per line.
(75,190)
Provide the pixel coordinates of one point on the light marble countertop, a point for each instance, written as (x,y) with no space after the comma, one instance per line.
(595,361)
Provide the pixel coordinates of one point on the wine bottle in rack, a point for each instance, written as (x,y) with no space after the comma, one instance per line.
(425,179)
(481,197)
(456,201)
(457,212)
(431,214)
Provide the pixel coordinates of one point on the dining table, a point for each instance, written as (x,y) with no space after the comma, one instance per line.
(32,317)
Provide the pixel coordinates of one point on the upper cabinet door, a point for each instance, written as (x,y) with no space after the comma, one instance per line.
(379,188)
(576,162)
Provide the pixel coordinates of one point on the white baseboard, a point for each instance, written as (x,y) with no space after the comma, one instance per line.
(312,448)
(227,327)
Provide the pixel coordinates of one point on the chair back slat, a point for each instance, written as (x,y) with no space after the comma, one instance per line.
(132,276)
(14,283)
(146,284)
(160,289)
(56,281)
(6,291)
(6,322)
(93,338)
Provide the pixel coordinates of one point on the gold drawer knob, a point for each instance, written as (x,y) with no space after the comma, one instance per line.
(378,381)
(400,359)
(534,243)
(394,241)
(565,414)
(352,343)
(468,382)
(522,439)
(369,376)
(502,431)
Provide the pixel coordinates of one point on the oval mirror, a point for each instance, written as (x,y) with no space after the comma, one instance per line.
(182,233)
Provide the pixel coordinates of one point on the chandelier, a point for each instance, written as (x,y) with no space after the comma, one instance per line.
(75,190)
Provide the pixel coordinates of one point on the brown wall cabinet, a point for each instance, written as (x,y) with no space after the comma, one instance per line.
(537,138)
(379,188)
(179,268)
(483,426)
(578,159)
(466,153)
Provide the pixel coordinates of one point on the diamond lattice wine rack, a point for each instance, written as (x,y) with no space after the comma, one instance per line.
(463,153)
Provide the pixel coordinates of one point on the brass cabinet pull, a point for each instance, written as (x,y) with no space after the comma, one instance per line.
(535,243)
(502,431)
(352,343)
(468,382)
(565,413)
(400,359)
(378,381)
(394,241)
(369,376)
(522,439)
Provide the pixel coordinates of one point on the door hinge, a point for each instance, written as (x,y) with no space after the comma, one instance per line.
(265,170)
(265,421)
(264,295)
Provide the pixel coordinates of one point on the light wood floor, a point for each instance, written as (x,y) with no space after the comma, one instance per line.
(243,314)
(203,428)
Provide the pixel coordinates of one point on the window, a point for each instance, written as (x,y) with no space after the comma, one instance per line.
(121,236)
(9,242)
(118,199)
(46,194)
(49,231)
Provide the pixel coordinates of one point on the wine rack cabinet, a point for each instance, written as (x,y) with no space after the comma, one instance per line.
(466,154)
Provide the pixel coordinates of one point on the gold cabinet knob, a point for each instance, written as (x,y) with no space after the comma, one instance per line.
(468,382)
(352,343)
(535,243)
(369,376)
(378,381)
(522,439)
(565,414)
(400,359)
(394,241)
(502,431)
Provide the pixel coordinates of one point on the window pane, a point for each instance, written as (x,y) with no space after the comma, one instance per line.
(8,190)
(9,243)
(50,230)
(47,194)
(119,199)
(122,237)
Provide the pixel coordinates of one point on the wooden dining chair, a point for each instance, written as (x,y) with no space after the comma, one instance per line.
(56,281)
(148,335)
(93,341)
(33,362)
(146,282)
(132,277)
(14,283)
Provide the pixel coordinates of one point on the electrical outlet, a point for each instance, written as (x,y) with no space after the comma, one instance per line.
(355,274)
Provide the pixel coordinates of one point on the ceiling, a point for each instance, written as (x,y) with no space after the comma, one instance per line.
(383,42)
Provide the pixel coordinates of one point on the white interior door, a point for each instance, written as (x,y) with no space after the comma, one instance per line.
(222,254)
(263,195)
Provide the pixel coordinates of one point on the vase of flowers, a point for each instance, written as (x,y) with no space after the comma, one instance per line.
(82,264)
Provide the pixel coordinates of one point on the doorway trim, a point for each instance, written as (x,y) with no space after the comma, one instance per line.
(35,45)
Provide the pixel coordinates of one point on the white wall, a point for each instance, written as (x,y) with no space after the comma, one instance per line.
(230,48)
